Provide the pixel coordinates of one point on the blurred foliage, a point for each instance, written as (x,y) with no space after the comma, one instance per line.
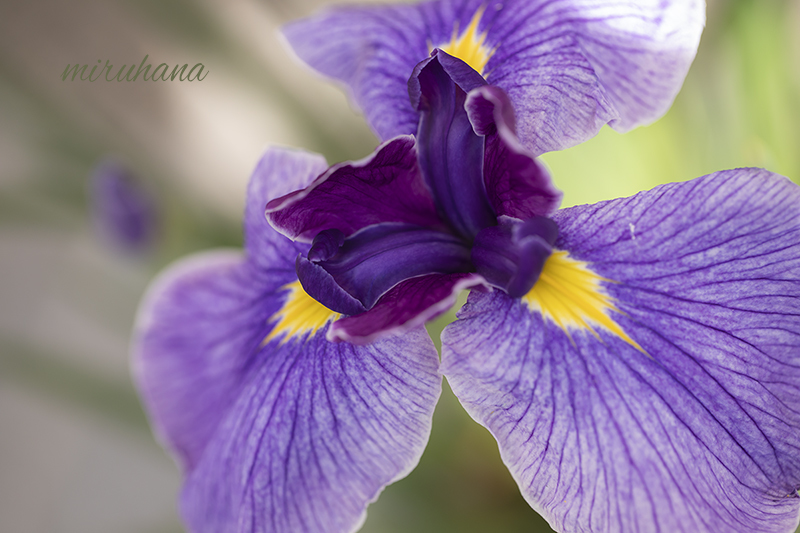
(740,106)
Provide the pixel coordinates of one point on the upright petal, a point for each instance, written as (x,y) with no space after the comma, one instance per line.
(372,50)
(569,66)
(518,186)
(679,408)
(317,432)
(450,152)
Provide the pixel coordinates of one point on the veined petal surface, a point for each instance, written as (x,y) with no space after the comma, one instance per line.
(279,172)
(697,431)
(198,327)
(317,432)
(569,66)
(196,336)
(276,428)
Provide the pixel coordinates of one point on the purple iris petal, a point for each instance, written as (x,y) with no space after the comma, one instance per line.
(318,430)
(409,304)
(277,173)
(517,184)
(511,255)
(450,153)
(321,286)
(385,187)
(379,257)
(124,213)
(196,336)
(201,322)
(569,66)
(701,432)
(290,433)
(366,237)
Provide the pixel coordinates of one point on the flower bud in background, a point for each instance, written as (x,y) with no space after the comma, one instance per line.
(124,213)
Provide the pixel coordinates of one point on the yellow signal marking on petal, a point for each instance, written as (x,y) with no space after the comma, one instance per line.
(300,315)
(469,47)
(570,294)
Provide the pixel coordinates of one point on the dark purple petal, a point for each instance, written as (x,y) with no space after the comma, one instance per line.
(321,285)
(318,430)
(450,153)
(379,257)
(569,66)
(124,213)
(511,255)
(279,171)
(326,244)
(385,187)
(408,305)
(517,185)
(700,431)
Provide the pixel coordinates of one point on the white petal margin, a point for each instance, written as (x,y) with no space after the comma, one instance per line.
(700,431)
(204,317)
(197,331)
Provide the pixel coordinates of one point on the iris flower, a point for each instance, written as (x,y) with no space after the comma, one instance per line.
(568,66)
(638,360)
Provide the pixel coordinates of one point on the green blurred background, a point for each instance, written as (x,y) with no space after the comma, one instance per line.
(76,453)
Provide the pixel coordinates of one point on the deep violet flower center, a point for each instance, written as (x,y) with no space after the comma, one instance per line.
(349,273)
